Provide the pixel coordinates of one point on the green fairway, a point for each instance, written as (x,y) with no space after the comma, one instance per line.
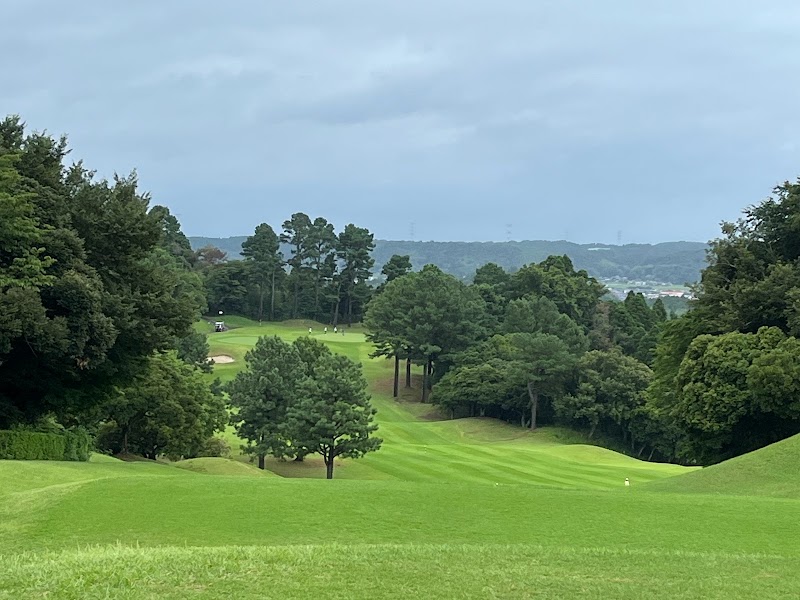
(447,508)
(420,445)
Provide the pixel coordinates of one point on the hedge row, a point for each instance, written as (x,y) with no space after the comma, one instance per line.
(31,445)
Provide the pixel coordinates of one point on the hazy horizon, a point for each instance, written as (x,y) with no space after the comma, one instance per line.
(519,241)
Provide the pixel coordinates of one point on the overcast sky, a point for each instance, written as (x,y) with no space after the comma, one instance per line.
(432,120)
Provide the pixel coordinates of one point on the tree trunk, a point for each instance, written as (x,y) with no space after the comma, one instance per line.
(272,299)
(261,463)
(395,391)
(534,396)
(591,431)
(316,290)
(649,458)
(426,369)
(260,302)
(125,441)
(408,372)
(336,311)
(296,294)
(350,310)
(329,467)
(522,420)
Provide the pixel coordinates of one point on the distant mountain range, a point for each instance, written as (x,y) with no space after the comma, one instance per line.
(669,262)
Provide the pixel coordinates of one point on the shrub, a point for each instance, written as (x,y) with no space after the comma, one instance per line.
(108,439)
(22,444)
(216,446)
(77,444)
(30,445)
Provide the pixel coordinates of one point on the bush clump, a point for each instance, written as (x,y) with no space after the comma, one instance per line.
(216,446)
(22,444)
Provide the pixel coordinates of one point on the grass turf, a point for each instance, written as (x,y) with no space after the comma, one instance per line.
(770,471)
(465,508)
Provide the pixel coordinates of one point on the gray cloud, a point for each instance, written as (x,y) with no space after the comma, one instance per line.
(565,118)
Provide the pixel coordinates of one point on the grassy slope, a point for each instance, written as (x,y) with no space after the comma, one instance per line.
(770,471)
(426,520)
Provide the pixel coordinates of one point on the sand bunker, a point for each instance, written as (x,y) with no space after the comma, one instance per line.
(221,359)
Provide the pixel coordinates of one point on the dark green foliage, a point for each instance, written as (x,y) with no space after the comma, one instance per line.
(610,394)
(737,392)
(77,444)
(88,286)
(168,409)
(296,399)
(325,278)
(354,251)
(540,315)
(524,372)
(492,275)
(396,267)
(724,381)
(474,389)
(216,446)
(426,316)
(262,255)
(635,326)
(31,445)
(192,349)
(333,415)
(310,351)
(227,288)
(262,393)
(173,239)
(573,292)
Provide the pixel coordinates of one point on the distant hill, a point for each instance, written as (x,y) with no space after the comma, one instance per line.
(770,471)
(669,262)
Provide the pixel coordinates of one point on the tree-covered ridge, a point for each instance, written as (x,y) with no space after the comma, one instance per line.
(669,262)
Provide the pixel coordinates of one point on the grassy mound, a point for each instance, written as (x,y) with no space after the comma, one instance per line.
(770,471)
(221,466)
(395,571)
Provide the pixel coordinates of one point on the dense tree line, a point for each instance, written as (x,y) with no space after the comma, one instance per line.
(325,275)
(539,345)
(97,300)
